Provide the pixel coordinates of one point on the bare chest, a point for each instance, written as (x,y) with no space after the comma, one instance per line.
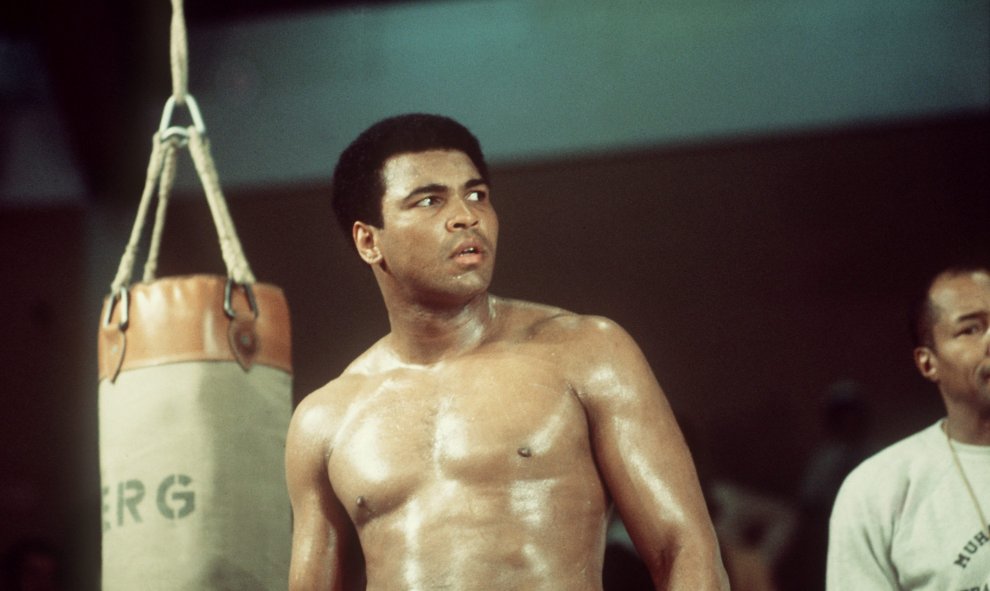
(473,424)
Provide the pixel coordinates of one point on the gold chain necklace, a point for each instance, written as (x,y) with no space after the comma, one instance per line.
(962,474)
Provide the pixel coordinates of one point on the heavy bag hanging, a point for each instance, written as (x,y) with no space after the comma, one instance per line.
(194,403)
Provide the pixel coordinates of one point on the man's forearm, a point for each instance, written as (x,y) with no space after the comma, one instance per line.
(691,568)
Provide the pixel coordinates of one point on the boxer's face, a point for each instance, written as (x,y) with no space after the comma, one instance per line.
(439,230)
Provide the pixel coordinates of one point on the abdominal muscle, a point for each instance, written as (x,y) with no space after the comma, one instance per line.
(542,534)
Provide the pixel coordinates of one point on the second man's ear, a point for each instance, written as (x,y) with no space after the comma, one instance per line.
(927,363)
(366,242)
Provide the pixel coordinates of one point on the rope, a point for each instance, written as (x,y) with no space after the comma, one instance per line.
(165,185)
(126,266)
(230,245)
(179,53)
(162,170)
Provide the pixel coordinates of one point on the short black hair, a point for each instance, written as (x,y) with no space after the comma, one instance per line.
(358,187)
(923,312)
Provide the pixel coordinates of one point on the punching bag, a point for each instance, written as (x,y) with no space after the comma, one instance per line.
(195,396)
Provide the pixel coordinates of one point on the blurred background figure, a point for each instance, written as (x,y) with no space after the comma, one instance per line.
(754,530)
(846,424)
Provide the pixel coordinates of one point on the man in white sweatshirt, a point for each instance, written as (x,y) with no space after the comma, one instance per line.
(914,516)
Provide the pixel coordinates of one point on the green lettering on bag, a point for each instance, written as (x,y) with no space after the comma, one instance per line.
(105,508)
(187,497)
(129,500)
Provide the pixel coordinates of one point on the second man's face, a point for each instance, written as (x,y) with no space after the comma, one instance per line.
(961,334)
(440,230)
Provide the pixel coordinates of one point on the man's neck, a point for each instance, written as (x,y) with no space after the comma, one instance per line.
(423,334)
(966,427)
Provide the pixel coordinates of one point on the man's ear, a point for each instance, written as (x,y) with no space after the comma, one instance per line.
(366,241)
(927,363)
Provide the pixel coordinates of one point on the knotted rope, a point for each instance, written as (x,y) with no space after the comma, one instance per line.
(162,166)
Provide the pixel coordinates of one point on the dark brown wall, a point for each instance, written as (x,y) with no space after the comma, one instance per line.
(754,273)
(47,402)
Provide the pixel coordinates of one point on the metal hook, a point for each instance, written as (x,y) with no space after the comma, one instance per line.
(125,304)
(228,309)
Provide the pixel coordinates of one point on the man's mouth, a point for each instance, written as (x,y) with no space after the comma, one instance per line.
(470,249)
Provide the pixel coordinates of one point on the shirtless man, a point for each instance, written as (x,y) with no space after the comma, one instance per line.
(483,441)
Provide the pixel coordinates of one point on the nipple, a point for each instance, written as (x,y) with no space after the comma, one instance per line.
(524,452)
(361,502)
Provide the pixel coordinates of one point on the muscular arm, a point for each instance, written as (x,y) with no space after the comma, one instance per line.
(645,462)
(323,539)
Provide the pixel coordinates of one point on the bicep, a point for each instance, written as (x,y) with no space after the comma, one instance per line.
(321,529)
(642,454)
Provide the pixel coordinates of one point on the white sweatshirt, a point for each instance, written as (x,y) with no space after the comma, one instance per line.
(904,519)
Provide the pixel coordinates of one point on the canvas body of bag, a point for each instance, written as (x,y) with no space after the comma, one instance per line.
(192,441)
(195,397)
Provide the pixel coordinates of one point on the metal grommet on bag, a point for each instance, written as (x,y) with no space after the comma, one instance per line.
(241,334)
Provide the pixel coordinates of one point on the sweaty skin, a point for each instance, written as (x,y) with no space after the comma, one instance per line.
(482,443)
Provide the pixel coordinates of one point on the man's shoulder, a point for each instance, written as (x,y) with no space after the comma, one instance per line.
(325,401)
(894,466)
(536,322)
(334,396)
(904,451)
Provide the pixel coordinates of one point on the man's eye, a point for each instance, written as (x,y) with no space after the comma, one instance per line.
(477,196)
(427,201)
(971,329)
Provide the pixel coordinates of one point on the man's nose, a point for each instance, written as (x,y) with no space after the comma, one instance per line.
(461,217)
